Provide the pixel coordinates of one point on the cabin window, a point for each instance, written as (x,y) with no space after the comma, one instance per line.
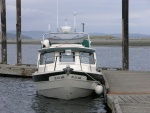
(87,58)
(67,58)
(47,58)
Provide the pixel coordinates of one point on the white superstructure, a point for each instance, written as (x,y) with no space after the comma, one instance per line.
(67,66)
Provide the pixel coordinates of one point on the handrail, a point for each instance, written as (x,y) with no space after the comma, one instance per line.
(38,64)
(45,64)
(69,33)
(55,64)
(80,63)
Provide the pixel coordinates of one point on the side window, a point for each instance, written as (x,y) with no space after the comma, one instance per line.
(67,58)
(87,58)
(47,58)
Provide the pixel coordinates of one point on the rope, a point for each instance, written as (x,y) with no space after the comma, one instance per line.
(92,77)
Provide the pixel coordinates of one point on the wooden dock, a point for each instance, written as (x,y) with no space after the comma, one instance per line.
(129,91)
(25,70)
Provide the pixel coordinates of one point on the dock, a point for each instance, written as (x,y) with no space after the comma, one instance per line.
(128,91)
(24,70)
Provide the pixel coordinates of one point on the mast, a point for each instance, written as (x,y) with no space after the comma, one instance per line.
(57,15)
(74,21)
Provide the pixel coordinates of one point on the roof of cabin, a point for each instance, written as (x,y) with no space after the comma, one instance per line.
(66,48)
(66,38)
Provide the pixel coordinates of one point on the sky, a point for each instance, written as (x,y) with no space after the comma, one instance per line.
(99,16)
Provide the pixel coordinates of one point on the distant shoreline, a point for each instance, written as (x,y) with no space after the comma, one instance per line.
(95,41)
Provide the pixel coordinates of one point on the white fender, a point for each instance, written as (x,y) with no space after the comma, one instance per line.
(99,89)
(46,43)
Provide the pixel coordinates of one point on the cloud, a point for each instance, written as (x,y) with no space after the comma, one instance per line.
(105,15)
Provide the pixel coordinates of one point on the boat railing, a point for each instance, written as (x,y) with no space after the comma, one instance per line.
(55,62)
(88,37)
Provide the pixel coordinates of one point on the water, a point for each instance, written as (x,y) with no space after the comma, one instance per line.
(18,95)
(139,57)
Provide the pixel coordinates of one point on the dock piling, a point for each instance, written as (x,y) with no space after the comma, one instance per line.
(125,36)
(3,28)
(18,32)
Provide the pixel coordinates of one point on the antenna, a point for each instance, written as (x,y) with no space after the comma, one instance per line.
(74,21)
(66,22)
(57,15)
(49,27)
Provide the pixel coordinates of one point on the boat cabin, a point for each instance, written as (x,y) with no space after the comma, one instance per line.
(66,49)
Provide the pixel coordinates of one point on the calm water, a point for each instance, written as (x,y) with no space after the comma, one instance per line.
(18,95)
(139,57)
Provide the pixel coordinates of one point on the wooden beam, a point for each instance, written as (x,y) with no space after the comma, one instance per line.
(3,27)
(0,5)
(18,32)
(125,35)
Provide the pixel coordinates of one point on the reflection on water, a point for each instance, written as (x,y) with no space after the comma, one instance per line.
(18,95)
(82,105)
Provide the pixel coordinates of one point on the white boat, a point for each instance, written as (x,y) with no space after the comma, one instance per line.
(67,66)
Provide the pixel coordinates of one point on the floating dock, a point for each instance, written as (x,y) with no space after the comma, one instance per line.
(25,70)
(128,92)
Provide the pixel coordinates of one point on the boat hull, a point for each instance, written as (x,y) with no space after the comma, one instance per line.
(66,86)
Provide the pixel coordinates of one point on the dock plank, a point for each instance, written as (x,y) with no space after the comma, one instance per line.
(131,89)
(131,99)
(128,82)
(135,108)
(120,100)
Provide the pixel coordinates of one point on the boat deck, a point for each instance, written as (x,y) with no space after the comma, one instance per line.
(129,91)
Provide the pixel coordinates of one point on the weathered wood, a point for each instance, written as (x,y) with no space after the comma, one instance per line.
(119,99)
(16,66)
(125,35)
(0,6)
(131,89)
(110,103)
(128,82)
(126,100)
(18,32)
(3,28)
(135,108)
(126,106)
(117,106)
(131,99)
(106,84)
(17,70)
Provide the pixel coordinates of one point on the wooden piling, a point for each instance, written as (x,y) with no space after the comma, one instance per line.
(18,32)
(3,28)
(125,36)
(0,5)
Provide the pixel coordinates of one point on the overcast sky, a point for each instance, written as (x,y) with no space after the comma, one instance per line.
(102,16)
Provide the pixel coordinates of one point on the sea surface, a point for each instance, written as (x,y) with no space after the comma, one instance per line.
(18,95)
